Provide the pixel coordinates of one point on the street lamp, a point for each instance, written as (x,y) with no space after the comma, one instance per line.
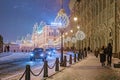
(71,31)
(75,18)
(61,21)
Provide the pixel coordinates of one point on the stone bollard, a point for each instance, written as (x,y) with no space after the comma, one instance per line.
(27,73)
(70,60)
(74,57)
(45,69)
(57,64)
(65,61)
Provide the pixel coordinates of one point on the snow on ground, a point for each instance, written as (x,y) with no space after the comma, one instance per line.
(15,56)
(8,57)
(4,54)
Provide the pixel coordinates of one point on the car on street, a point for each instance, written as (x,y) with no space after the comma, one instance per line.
(50,51)
(38,53)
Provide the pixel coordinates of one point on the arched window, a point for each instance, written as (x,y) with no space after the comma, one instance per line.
(110,34)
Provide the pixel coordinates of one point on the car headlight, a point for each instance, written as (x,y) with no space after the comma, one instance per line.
(41,55)
(32,54)
(54,50)
(49,53)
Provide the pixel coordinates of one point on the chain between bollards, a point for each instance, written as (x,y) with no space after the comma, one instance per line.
(22,75)
(45,67)
(52,66)
(38,73)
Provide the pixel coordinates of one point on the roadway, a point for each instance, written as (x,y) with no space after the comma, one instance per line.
(10,66)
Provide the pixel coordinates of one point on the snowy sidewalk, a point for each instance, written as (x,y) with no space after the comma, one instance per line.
(88,69)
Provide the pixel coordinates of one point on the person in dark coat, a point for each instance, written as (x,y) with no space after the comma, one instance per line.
(5,48)
(102,56)
(8,48)
(96,52)
(88,49)
(85,52)
(109,54)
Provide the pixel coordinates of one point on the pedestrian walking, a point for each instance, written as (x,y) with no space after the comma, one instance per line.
(96,52)
(88,49)
(8,48)
(85,52)
(109,54)
(102,56)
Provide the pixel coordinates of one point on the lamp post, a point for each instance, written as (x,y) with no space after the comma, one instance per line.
(61,21)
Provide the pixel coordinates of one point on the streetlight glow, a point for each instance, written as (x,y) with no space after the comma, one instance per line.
(66,33)
(71,31)
(75,18)
(78,27)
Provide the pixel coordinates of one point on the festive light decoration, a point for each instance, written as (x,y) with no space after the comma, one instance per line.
(73,40)
(62,19)
(80,35)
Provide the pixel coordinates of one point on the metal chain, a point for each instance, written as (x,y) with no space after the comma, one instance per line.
(52,66)
(22,75)
(38,73)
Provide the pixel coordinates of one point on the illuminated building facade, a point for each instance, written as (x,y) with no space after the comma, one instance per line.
(99,19)
(45,37)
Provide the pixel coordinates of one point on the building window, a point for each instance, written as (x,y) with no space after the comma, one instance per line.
(110,34)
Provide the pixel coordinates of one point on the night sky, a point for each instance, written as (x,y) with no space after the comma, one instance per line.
(17,17)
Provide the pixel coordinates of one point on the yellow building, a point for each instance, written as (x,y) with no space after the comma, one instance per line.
(47,37)
(99,20)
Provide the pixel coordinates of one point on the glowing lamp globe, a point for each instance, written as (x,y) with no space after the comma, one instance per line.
(62,19)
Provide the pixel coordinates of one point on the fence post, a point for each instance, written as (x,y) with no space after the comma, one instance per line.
(45,69)
(65,61)
(70,61)
(27,73)
(74,57)
(57,64)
